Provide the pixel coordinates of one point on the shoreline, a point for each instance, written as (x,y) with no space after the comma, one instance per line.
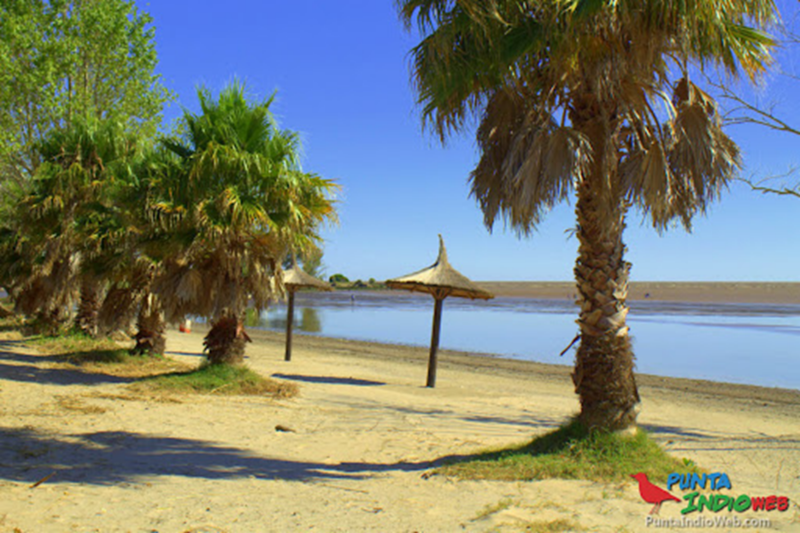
(667,291)
(516,368)
(721,292)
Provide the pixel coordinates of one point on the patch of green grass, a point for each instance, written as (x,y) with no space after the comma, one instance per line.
(572,452)
(219,379)
(75,344)
(10,321)
(116,356)
(81,350)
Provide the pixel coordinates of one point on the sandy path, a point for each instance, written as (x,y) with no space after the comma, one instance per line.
(365,433)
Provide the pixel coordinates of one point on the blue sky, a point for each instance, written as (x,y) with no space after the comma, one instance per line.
(341,71)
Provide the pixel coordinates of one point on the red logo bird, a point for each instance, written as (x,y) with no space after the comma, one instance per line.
(652,494)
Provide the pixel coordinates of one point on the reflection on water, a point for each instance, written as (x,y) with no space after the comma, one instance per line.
(309,321)
(745,343)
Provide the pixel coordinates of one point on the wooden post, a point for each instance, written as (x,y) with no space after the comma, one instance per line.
(437,327)
(289,320)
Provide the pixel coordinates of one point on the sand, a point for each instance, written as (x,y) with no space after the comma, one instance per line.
(364,435)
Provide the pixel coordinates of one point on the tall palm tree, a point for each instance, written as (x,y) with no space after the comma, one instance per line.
(595,98)
(238,200)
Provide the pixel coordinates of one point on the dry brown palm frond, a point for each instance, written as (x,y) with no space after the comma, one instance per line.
(183,285)
(221,275)
(119,309)
(225,342)
(528,164)
(679,172)
(48,289)
(701,154)
(648,175)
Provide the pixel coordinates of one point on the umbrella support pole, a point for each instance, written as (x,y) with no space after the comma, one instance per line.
(437,327)
(289,320)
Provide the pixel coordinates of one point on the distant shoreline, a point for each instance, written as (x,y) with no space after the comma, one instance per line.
(667,291)
(751,292)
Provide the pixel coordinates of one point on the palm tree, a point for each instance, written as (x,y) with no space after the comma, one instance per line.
(237,202)
(131,260)
(573,97)
(61,219)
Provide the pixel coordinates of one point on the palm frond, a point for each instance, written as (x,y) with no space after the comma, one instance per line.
(516,65)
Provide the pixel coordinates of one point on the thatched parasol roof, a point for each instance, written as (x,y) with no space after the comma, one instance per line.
(295,278)
(441,280)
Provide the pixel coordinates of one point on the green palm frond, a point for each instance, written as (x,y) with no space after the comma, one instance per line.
(236,198)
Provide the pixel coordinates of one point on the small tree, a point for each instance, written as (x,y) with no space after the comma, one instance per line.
(338,278)
(63,221)
(240,200)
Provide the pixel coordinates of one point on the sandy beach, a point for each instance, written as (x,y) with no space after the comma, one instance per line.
(364,436)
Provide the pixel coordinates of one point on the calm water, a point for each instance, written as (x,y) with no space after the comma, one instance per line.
(740,343)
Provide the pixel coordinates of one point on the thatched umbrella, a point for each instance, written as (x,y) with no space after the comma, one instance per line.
(440,280)
(293,279)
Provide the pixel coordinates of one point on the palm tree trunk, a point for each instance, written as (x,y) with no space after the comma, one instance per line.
(89,307)
(51,321)
(603,374)
(150,337)
(225,343)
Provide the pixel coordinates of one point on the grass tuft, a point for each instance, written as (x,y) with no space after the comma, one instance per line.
(573,452)
(102,356)
(556,526)
(73,344)
(491,509)
(219,379)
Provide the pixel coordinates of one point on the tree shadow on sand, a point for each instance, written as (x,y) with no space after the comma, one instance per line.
(682,439)
(106,458)
(329,380)
(56,376)
(113,457)
(26,370)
